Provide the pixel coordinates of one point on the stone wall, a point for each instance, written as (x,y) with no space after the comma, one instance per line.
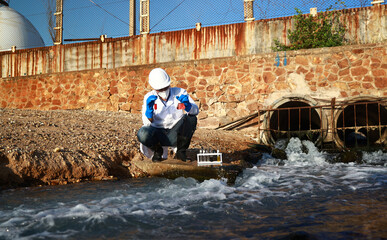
(225,88)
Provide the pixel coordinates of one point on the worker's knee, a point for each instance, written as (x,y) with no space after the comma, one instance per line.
(145,134)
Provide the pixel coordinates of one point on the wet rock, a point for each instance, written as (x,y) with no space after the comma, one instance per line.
(261,148)
(279,154)
(243,163)
(172,168)
(349,156)
(230,172)
(251,157)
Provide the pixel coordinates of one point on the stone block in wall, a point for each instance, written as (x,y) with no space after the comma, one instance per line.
(125,107)
(359,71)
(301,60)
(381,82)
(342,86)
(379,73)
(268,77)
(367,86)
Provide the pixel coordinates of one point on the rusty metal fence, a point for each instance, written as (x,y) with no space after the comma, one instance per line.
(93,18)
(344,125)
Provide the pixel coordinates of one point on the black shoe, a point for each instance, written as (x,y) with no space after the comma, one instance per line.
(181,155)
(157,156)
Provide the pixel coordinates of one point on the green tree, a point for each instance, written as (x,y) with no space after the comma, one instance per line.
(324,30)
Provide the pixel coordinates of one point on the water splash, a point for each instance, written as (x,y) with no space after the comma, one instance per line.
(378,158)
(304,153)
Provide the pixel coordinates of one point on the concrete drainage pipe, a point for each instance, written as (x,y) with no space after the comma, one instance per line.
(294,117)
(361,122)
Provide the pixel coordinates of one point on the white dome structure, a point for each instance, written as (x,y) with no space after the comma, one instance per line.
(16,30)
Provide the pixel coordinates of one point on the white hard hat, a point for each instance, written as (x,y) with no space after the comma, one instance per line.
(159,79)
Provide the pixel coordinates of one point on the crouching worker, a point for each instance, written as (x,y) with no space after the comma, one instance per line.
(169,119)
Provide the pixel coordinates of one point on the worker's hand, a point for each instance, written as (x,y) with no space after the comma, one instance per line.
(185,100)
(149,106)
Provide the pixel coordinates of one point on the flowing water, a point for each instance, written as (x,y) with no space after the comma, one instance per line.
(302,198)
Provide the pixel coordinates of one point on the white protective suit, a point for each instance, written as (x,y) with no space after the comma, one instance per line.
(165,115)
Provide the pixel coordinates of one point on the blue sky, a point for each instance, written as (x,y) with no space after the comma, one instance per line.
(83,19)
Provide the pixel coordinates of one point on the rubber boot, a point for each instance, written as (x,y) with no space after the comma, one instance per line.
(158,153)
(184,137)
(181,152)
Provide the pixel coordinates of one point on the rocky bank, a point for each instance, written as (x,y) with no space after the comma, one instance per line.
(68,146)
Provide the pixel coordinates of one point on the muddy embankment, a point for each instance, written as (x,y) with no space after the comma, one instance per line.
(60,147)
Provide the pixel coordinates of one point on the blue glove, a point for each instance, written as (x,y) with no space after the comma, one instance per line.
(185,100)
(149,106)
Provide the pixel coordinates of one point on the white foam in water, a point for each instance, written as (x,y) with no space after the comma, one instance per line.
(306,170)
(296,155)
(79,210)
(378,157)
(257,179)
(281,144)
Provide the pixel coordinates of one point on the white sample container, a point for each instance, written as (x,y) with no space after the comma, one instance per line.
(208,158)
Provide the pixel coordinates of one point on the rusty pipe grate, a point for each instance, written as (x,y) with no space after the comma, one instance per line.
(355,124)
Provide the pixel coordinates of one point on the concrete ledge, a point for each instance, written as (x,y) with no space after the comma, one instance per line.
(172,168)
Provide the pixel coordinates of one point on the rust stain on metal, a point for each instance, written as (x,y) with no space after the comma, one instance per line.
(16,65)
(44,63)
(59,57)
(187,37)
(77,56)
(8,65)
(107,53)
(92,56)
(63,59)
(239,38)
(1,66)
(19,61)
(147,48)
(86,56)
(53,61)
(177,39)
(42,59)
(100,55)
(198,44)
(114,53)
(154,50)
(207,38)
(28,63)
(222,37)
(122,53)
(33,64)
(133,49)
(356,27)
(9,68)
(127,42)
